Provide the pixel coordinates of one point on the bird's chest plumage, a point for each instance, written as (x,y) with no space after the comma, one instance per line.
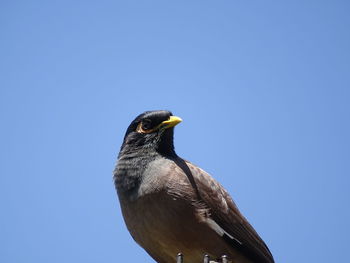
(152,215)
(156,222)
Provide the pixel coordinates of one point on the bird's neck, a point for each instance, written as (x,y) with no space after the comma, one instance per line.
(165,146)
(162,145)
(134,158)
(130,168)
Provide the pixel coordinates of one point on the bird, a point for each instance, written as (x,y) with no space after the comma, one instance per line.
(170,205)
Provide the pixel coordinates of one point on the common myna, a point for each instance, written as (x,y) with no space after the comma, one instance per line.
(170,205)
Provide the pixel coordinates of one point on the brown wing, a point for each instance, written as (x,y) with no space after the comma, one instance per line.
(239,233)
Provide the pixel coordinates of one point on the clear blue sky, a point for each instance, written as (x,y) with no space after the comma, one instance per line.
(262,87)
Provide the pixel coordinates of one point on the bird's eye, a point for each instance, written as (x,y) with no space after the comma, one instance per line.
(146,124)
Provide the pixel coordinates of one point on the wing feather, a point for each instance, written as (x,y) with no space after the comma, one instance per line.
(225,213)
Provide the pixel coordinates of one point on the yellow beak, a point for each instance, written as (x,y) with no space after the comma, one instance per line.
(171,122)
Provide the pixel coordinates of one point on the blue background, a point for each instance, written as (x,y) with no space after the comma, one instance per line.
(262,87)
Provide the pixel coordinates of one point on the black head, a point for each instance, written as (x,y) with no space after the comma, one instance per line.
(151,131)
